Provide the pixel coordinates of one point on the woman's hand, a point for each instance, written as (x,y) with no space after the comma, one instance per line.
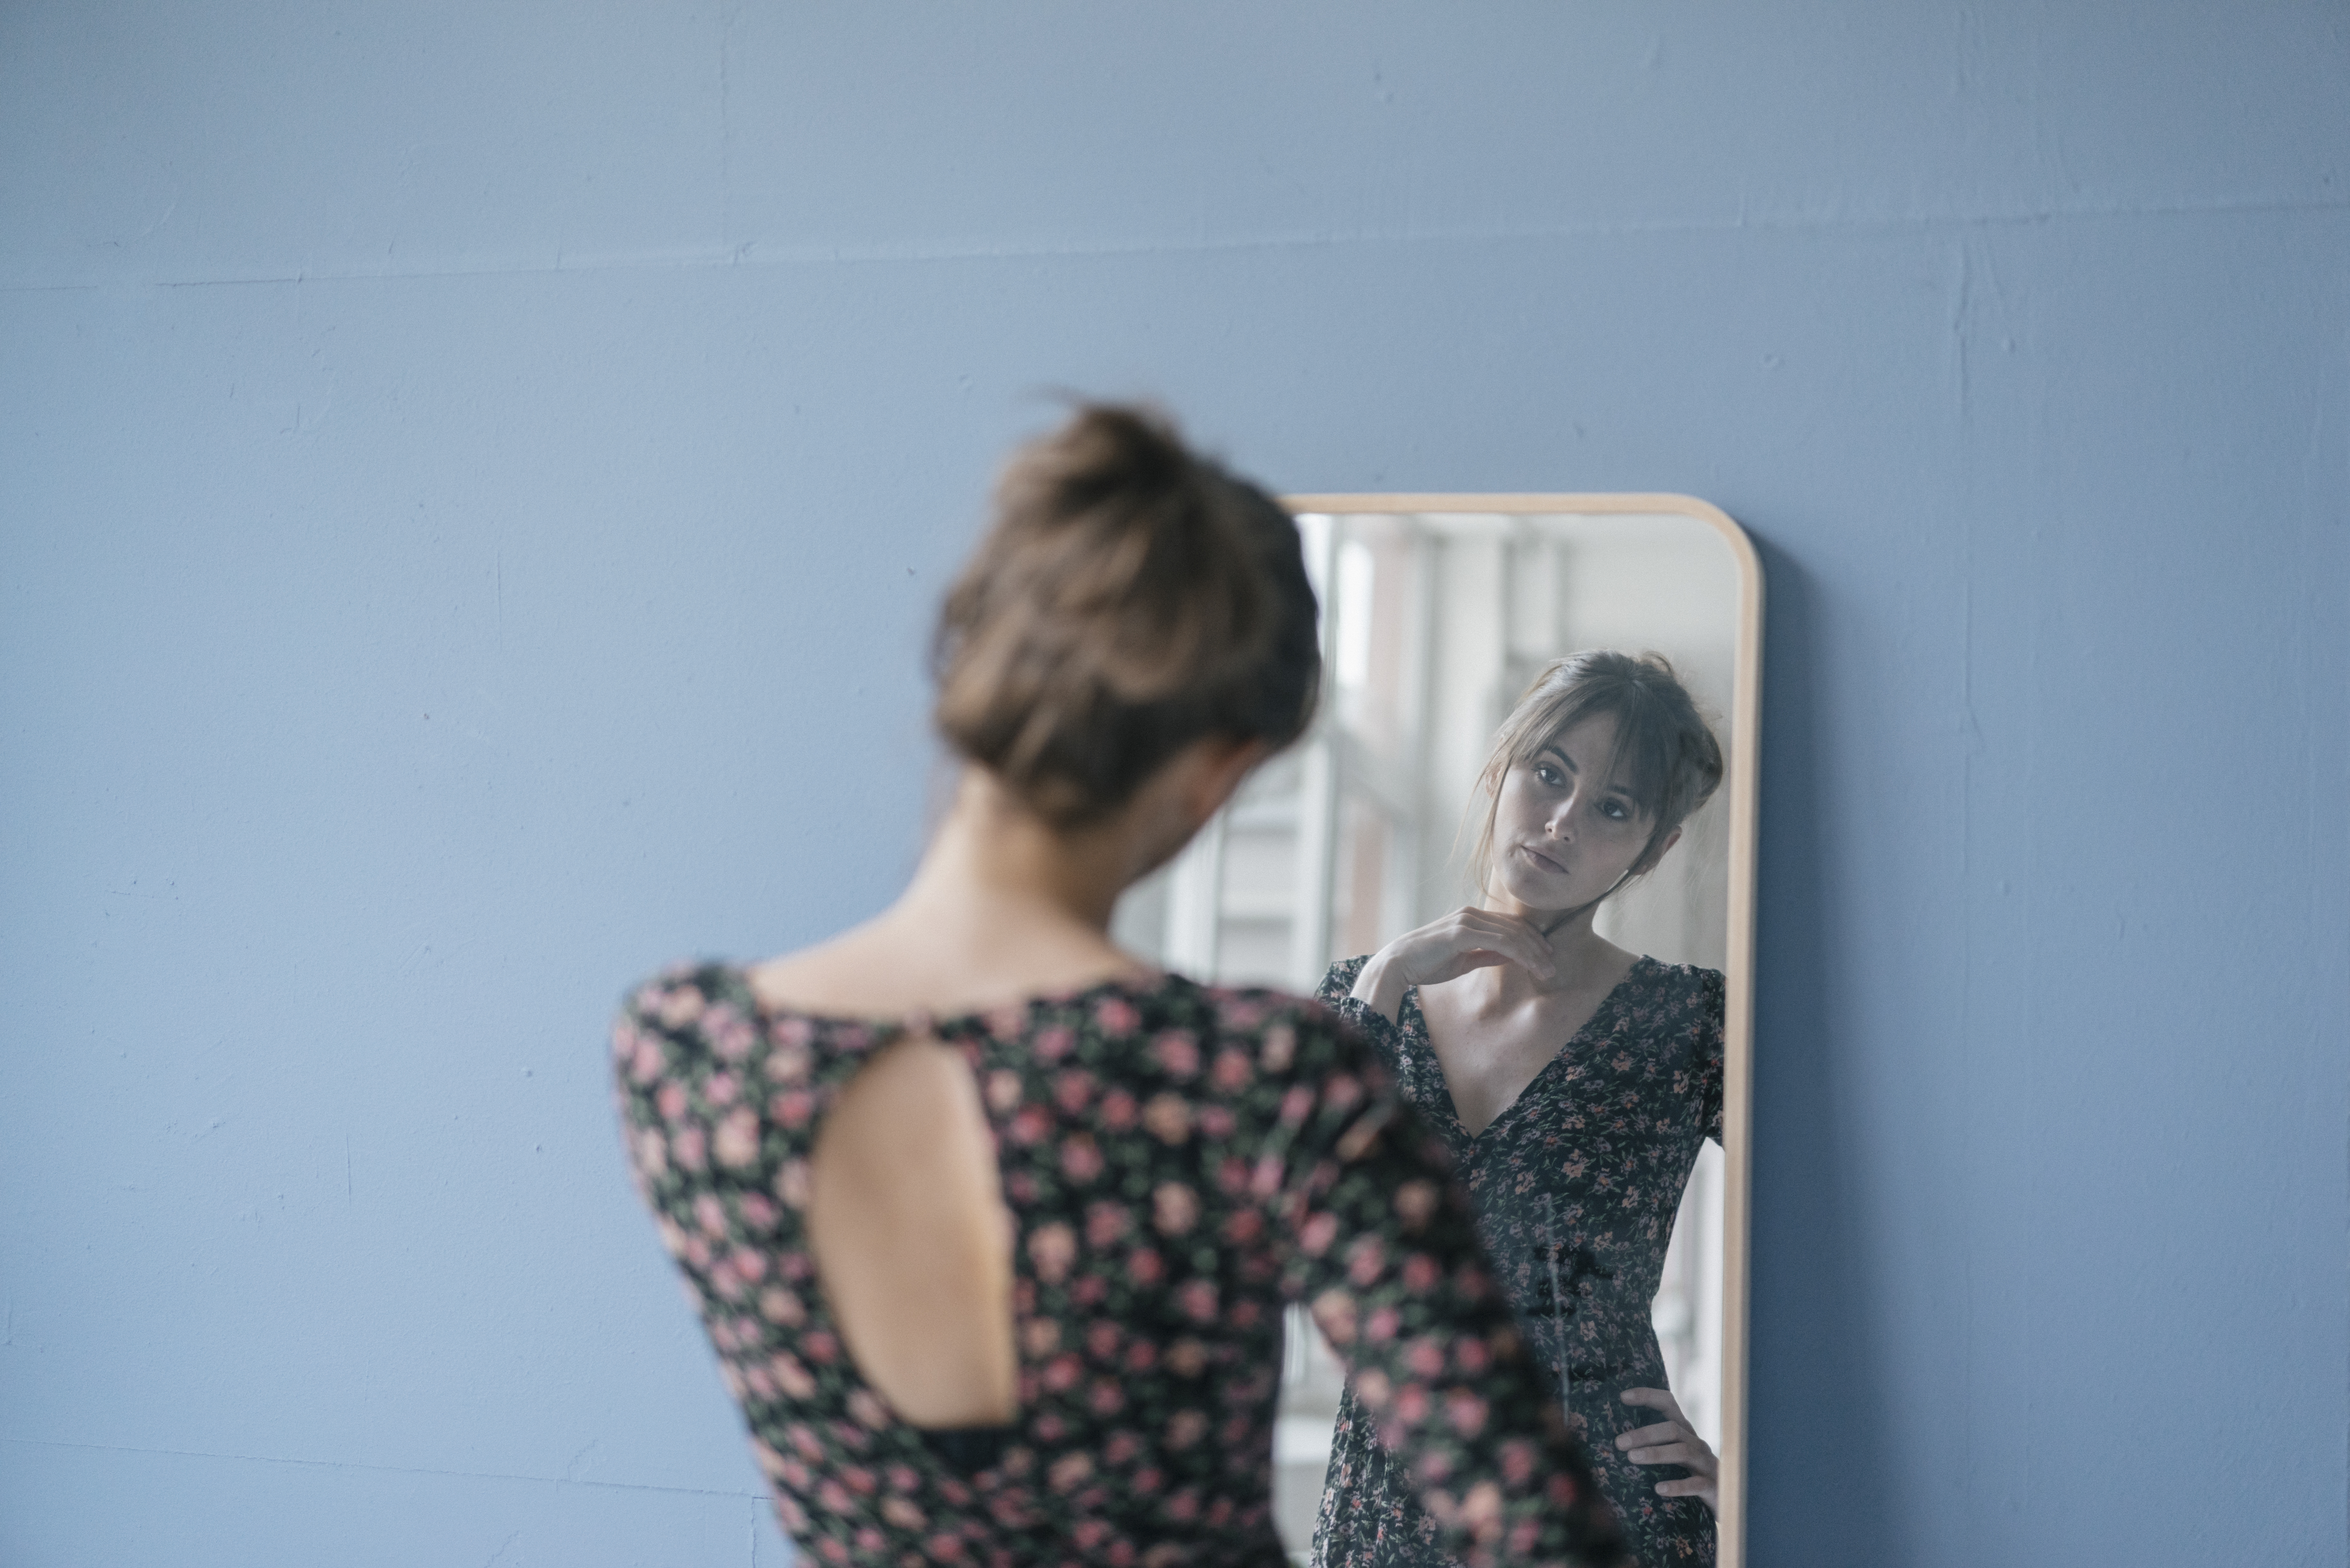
(1672,1442)
(1469,937)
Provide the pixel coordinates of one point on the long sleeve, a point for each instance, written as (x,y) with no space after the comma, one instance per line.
(1710,1030)
(1382,1248)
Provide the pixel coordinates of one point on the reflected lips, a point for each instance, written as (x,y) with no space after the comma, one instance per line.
(1544,861)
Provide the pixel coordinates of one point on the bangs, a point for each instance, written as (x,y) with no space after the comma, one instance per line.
(1648,738)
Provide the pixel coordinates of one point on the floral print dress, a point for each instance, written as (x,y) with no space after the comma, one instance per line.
(1576,1185)
(1179,1161)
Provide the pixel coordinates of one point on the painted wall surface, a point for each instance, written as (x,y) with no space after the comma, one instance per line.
(474,479)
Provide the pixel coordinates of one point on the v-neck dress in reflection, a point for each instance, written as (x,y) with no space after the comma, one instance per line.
(1575,1187)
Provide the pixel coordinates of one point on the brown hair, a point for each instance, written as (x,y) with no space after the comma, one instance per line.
(1670,758)
(1131,597)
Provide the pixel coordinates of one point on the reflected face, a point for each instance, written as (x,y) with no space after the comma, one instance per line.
(1566,827)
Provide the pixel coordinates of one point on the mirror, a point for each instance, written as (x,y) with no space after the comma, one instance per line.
(1437,611)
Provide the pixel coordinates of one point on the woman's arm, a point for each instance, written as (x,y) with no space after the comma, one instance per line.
(1712,1007)
(1671,1440)
(1382,1248)
(1445,948)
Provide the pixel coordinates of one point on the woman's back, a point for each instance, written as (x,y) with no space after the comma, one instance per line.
(906,1222)
(1176,1161)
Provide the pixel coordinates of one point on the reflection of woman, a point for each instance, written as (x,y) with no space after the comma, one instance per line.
(1574,1080)
(989,1223)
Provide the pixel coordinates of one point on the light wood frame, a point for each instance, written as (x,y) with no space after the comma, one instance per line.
(1740,789)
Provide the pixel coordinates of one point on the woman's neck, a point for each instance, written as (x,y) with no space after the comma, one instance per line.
(1001,907)
(992,861)
(1005,904)
(1573,940)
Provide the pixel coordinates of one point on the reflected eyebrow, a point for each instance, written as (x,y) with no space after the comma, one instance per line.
(1564,761)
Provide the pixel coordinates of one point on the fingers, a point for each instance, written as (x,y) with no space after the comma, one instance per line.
(1662,1432)
(1472,938)
(1656,1399)
(1672,1442)
(1687,1486)
(1512,938)
(1691,1455)
(1668,1442)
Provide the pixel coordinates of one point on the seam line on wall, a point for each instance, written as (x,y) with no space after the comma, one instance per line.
(752,255)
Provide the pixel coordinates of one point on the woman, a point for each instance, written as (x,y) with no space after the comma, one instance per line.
(992,1223)
(1573,1082)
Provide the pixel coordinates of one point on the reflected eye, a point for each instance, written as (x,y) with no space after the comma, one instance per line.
(1615,811)
(1549,775)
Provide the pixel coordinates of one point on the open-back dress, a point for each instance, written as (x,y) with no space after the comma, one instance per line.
(1575,1186)
(1178,1162)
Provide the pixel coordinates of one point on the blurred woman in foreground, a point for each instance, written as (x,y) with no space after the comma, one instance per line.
(989,1222)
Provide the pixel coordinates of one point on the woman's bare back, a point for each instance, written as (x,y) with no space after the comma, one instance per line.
(906,1219)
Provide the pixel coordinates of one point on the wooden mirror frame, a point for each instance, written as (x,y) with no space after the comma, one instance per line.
(1739,789)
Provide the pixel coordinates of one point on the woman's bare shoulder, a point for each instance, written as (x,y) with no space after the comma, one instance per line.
(880,970)
(847,974)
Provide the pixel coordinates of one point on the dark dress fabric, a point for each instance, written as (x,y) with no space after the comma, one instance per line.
(1575,1186)
(1178,1162)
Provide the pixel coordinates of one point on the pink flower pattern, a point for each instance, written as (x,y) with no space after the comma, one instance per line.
(1583,1170)
(1180,1161)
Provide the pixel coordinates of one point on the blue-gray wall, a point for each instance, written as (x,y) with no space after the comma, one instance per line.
(475,477)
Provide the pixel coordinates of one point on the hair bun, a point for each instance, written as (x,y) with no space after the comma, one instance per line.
(1107,448)
(1130,597)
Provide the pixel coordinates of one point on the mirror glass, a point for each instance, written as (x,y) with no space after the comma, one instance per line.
(1437,611)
